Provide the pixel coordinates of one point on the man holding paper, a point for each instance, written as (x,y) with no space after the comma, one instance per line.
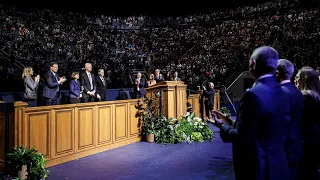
(258,134)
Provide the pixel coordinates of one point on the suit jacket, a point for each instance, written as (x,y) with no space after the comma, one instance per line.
(85,83)
(31,87)
(259,133)
(74,87)
(293,145)
(101,87)
(159,79)
(51,85)
(141,87)
(209,94)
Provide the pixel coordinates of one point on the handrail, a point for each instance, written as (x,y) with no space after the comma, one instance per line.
(234,81)
(16,62)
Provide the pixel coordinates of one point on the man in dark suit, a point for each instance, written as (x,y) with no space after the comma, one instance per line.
(88,83)
(51,90)
(101,86)
(208,98)
(158,76)
(259,132)
(175,76)
(138,89)
(293,145)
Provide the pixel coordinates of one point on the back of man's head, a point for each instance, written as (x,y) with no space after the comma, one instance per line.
(285,69)
(266,59)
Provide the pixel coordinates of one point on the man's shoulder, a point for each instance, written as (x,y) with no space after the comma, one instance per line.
(48,73)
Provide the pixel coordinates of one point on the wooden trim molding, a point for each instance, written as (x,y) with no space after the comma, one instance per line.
(71,131)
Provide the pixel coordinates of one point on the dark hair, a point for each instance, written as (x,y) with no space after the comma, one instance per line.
(53,63)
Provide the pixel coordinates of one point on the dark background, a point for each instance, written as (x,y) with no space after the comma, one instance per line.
(126,7)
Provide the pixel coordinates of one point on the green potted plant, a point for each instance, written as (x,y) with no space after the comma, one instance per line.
(225,111)
(37,167)
(149,112)
(18,160)
(27,164)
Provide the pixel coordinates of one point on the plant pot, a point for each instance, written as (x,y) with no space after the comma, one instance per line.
(22,174)
(150,138)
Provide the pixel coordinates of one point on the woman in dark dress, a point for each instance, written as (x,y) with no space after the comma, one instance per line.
(307,81)
(74,85)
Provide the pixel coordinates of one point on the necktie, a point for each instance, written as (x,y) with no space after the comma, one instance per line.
(90,79)
(103,81)
(55,75)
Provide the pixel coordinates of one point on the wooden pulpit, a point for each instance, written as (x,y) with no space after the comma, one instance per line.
(173,97)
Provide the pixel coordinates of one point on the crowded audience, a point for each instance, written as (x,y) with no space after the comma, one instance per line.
(213,45)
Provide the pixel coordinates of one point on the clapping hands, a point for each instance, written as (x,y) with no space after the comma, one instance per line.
(37,78)
(62,80)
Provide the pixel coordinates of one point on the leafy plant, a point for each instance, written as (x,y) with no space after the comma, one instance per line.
(36,163)
(225,111)
(150,115)
(166,132)
(37,168)
(187,129)
(191,127)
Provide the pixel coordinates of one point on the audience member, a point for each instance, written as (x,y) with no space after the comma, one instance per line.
(307,81)
(51,90)
(258,135)
(293,145)
(75,89)
(31,85)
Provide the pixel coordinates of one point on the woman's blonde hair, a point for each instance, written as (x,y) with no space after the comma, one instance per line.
(26,72)
(73,75)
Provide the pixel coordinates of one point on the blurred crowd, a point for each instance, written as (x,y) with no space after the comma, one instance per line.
(215,45)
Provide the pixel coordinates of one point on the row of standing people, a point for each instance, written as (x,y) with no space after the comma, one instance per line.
(276,135)
(141,83)
(85,87)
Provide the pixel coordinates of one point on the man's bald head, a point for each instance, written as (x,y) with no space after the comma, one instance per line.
(264,60)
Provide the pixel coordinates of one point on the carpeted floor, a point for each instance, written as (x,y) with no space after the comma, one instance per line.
(148,161)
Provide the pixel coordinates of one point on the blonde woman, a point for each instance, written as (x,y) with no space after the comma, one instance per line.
(151,80)
(31,86)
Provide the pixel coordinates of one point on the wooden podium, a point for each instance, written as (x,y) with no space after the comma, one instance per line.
(173,97)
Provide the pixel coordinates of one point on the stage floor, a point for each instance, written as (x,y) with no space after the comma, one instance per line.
(210,160)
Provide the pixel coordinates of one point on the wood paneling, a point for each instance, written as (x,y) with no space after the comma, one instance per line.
(121,122)
(134,124)
(105,129)
(85,128)
(67,132)
(37,131)
(63,132)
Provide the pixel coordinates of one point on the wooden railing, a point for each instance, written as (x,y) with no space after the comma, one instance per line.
(71,131)
(67,132)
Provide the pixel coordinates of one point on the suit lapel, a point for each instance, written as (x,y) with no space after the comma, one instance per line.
(103,82)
